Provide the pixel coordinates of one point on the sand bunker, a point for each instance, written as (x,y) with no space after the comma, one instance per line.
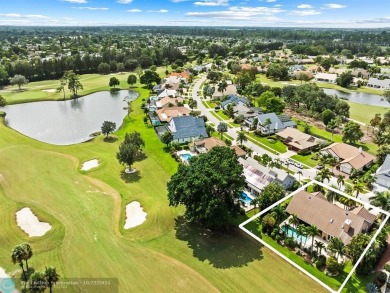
(30,224)
(50,90)
(135,215)
(88,165)
(6,283)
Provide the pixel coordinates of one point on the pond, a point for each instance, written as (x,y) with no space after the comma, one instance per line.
(361,98)
(71,121)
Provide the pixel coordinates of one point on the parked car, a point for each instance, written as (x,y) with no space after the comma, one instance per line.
(320,166)
(299,165)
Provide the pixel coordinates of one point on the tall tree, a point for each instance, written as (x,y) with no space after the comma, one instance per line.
(271,194)
(210,187)
(381,199)
(352,132)
(63,83)
(131,79)
(108,127)
(74,84)
(336,246)
(150,77)
(38,283)
(241,137)
(358,187)
(17,256)
(18,80)
(221,128)
(167,137)
(312,231)
(324,174)
(113,82)
(51,277)
(27,253)
(3,101)
(340,180)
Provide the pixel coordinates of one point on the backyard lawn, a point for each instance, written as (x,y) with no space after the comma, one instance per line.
(86,211)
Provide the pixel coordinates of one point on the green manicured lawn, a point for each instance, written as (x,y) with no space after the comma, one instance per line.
(87,213)
(271,142)
(364,113)
(305,160)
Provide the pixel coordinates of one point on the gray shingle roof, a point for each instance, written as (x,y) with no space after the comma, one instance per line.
(188,126)
(384,170)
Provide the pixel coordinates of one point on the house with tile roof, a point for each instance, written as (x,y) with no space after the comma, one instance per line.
(326,77)
(332,220)
(204,145)
(166,114)
(297,140)
(350,157)
(167,102)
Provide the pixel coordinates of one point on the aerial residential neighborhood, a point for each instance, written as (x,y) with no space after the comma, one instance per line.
(194,146)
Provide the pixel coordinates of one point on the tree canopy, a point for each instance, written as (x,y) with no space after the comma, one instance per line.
(18,80)
(114,82)
(209,187)
(108,127)
(352,132)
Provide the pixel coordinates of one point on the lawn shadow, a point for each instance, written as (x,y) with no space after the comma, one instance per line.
(223,249)
(110,139)
(29,272)
(131,177)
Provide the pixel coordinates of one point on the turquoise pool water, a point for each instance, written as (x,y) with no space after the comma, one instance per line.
(186,157)
(293,233)
(245,198)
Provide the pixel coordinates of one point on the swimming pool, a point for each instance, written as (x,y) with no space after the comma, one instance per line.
(186,157)
(290,231)
(246,199)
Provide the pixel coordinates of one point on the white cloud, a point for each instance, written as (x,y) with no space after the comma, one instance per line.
(304,6)
(134,10)
(124,1)
(334,6)
(91,8)
(17,15)
(270,1)
(239,13)
(305,12)
(158,11)
(212,3)
(179,1)
(76,1)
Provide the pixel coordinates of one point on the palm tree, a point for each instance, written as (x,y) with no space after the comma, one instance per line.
(267,124)
(38,283)
(299,177)
(27,253)
(331,195)
(51,277)
(278,213)
(294,221)
(222,86)
(241,137)
(336,246)
(319,245)
(249,151)
(301,231)
(358,187)
(256,203)
(17,256)
(324,174)
(340,180)
(332,125)
(347,202)
(312,231)
(381,199)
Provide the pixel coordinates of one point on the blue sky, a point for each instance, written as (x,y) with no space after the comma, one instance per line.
(274,13)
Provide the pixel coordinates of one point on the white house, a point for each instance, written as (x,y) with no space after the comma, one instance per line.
(383,84)
(326,77)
